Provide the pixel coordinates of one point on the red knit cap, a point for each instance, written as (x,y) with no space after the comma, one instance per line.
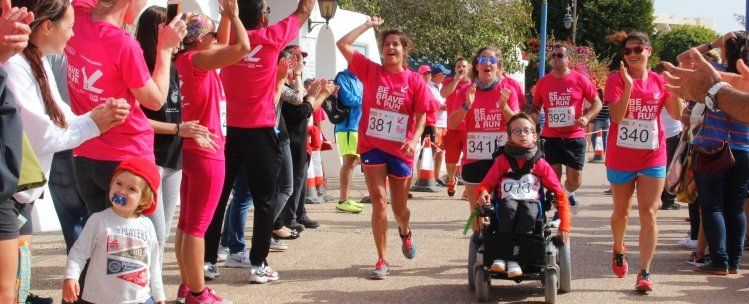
(147,170)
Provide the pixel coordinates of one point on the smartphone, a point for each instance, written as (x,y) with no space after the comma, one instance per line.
(173,7)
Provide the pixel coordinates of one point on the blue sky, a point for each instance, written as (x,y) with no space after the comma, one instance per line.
(719,10)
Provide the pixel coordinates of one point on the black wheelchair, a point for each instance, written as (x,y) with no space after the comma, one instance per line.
(541,256)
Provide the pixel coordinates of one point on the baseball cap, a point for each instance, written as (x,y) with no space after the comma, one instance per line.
(198,25)
(424,69)
(295,50)
(148,171)
(439,68)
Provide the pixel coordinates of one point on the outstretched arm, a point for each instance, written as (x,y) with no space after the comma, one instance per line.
(346,43)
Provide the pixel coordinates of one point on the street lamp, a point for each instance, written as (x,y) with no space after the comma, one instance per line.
(570,20)
(327,11)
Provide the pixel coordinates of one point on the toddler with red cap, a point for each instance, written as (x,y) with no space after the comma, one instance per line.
(120,243)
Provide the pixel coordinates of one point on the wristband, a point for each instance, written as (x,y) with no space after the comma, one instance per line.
(177,130)
(709,46)
(465,107)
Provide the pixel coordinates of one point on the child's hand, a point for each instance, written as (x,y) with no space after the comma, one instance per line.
(484,198)
(70,290)
(564,235)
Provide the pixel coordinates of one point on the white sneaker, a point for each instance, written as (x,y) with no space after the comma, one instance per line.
(277,245)
(555,223)
(574,204)
(513,269)
(238,260)
(498,266)
(262,274)
(223,252)
(210,271)
(688,243)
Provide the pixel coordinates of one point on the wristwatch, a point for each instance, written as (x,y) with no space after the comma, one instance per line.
(466,107)
(711,100)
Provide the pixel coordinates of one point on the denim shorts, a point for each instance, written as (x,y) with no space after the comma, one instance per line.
(617,177)
(396,167)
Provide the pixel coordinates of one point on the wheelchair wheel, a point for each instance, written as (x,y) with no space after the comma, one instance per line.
(473,247)
(482,281)
(565,269)
(550,285)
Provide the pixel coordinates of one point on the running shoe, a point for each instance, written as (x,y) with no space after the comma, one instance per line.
(182,292)
(223,252)
(381,270)
(513,269)
(574,204)
(355,203)
(262,274)
(295,225)
(607,192)
(347,206)
(208,296)
(408,247)
(366,200)
(697,260)
(619,264)
(308,222)
(688,243)
(643,282)
(210,271)
(238,260)
(277,245)
(451,189)
(555,221)
(326,197)
(498,266)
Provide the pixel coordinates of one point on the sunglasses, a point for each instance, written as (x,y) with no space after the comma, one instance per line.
(485,59)
(523,131)
(637,50)
(557,55)
(267,10)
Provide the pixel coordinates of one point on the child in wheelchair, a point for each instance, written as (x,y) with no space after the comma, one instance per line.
(516,178)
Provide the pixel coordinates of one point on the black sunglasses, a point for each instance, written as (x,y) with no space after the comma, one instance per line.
(267,10)
(557,55)
(637,50)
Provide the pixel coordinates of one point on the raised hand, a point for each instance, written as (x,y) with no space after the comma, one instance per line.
(692,84)
(470,95)
(228,8)
(14,30)
(504,97)
(625,74)
(170,35)
(375,21)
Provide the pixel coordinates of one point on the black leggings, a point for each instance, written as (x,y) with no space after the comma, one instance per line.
(694,219)
(257,151)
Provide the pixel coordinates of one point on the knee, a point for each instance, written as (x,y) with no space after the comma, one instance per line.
(647,217)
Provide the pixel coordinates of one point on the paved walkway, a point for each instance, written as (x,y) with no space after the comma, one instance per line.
(332,264)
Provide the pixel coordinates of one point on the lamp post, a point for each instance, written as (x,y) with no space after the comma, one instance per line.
(571,20)
(327,11)
(542,44)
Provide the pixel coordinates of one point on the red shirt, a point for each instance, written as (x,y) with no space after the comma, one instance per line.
(638,141)
(250,83)
(453,102)
(563,102)
(389,107)
(485,122)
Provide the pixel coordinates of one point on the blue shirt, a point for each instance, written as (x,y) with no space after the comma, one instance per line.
(350,93)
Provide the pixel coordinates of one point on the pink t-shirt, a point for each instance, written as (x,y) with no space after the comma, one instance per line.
(562,100)
(390,104)
(434,106)
(452,102)
(250,83)
(105,61)
(515,85)
(638,141)
(485,122)
(201,93)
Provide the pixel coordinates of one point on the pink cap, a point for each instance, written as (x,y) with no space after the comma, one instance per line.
(424,69)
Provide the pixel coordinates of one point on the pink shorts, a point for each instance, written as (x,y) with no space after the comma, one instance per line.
(202,182)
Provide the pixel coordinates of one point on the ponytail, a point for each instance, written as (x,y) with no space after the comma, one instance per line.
(33,55)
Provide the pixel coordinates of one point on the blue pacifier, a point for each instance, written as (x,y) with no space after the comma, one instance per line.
(119,199)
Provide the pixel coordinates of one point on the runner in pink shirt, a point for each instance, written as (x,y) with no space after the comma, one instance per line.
(562,94)
(252,143)
(203,167)
(487,104)
(636,155)
(104,61)
(393,116)
(454,137)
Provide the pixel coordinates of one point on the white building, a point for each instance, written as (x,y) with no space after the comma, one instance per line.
(665,22)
